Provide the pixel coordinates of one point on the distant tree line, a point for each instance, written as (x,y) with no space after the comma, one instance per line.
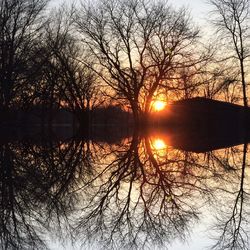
(88,55)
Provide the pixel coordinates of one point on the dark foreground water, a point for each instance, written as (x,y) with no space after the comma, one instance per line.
(159,190)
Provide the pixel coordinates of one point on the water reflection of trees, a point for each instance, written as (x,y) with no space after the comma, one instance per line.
(146,196)
(130,195)
(37,184)
(232,221)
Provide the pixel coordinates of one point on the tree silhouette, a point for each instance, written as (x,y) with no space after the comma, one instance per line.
(20,25)
(73,82)
(139,49)
(231,20)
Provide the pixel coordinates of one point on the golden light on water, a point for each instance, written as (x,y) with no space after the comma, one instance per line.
(159,145)
(158,105)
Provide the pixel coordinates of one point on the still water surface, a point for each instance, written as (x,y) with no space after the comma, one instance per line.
(157,191)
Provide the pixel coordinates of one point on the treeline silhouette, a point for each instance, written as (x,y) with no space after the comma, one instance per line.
(47,117)
(87,56)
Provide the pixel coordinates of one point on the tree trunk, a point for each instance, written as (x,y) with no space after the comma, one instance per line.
(136,113)
(243,84)
(82,117)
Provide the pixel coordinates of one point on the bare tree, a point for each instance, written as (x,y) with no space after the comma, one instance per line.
(64,80)
(139,48)
(73,82)
(232,23)
(20,24)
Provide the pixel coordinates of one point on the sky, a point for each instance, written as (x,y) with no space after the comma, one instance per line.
(199,10)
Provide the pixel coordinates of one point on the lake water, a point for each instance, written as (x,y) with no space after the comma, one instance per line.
(159,190)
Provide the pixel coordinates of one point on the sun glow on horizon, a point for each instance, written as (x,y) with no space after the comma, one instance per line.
(158,105)
(158,144)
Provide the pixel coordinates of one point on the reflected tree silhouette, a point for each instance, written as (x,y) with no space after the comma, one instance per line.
(232,226)
(143,198)
(37,190)
(16,216)
(132,194)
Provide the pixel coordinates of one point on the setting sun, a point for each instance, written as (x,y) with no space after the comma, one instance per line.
(159,105)
(159,144)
